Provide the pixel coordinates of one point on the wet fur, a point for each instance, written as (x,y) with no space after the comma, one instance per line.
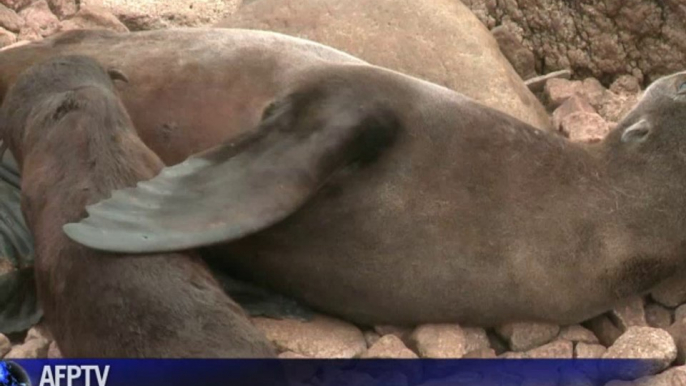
(75,143)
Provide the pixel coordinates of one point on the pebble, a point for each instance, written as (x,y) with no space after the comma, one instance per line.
(322,337)
(525,336)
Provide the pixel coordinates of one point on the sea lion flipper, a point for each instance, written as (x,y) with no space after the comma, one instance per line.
(245,185)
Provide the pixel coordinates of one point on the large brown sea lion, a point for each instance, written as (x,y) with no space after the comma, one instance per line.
(75,143)
(383,199)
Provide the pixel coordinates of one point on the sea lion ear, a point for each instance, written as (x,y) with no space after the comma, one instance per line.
(116,74)
(638,132)
(242,186)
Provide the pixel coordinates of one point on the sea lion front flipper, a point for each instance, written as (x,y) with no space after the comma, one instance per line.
(247,184)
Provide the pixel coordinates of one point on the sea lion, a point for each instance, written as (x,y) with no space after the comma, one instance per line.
(384,199)
(74,143)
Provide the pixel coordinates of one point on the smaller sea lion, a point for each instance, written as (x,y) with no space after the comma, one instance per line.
(74,143)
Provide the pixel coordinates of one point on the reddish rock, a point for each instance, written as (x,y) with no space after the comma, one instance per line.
(525,336)
(389,346)
(39,20)
(573,104)
(558,90)
(629,313)
(31,349)
(584,127)
(7,38)
(654,345)
(9,19)
(93,18)
(63,8)
(626,84)
(589,351)
(322,337)
(658,316)
(559,349)
(439,341)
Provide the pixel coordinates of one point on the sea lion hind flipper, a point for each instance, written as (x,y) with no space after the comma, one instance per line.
(243,186)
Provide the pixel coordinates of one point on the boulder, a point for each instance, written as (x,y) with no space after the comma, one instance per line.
(93,18)
(437,40)
(525,336)
(654,345)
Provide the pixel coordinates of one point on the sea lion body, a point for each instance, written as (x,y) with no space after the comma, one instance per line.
(464,214)
(76,143)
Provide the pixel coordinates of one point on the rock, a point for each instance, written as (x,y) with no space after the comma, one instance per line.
(371,337)
(559,349)
(589,351)
(401,332)
(31,349)
(675,376)
(513,355)
(537,84)
(389,346)
(574,104)
(140,15)
(475,339)
(93,18)
(484,353)
(9,19)
(671,292)
(660,317)
(558,90)
(437,40)
(5,345)
(525,336)
(584,127)
(322,337)
(680,312)
(601,38)
(577,333)
(439,341)
(39,332)
(604,329)
(63,8)
(16,5)
(652,344)
(629,313)
(38,19)
(678,333)
(521,58)
(7,38)
(497,343)
(626,84)
(54,351)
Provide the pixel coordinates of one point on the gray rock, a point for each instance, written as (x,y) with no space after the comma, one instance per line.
(31,349)
(558,349)
(577,333)
(437,40)
(5,345)
(521,58)
(589,351)
(439,341)
(629,313)
(653,344)
(389,346)
(9,19)
(659,317)
(525,336)
(322,337)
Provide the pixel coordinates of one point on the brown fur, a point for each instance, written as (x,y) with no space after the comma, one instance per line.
(75,143)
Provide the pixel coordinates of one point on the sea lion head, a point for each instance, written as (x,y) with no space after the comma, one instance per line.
(43,93)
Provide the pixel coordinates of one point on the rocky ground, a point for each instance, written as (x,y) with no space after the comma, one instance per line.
(584,110)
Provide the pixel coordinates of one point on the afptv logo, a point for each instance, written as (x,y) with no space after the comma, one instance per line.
(70,375)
